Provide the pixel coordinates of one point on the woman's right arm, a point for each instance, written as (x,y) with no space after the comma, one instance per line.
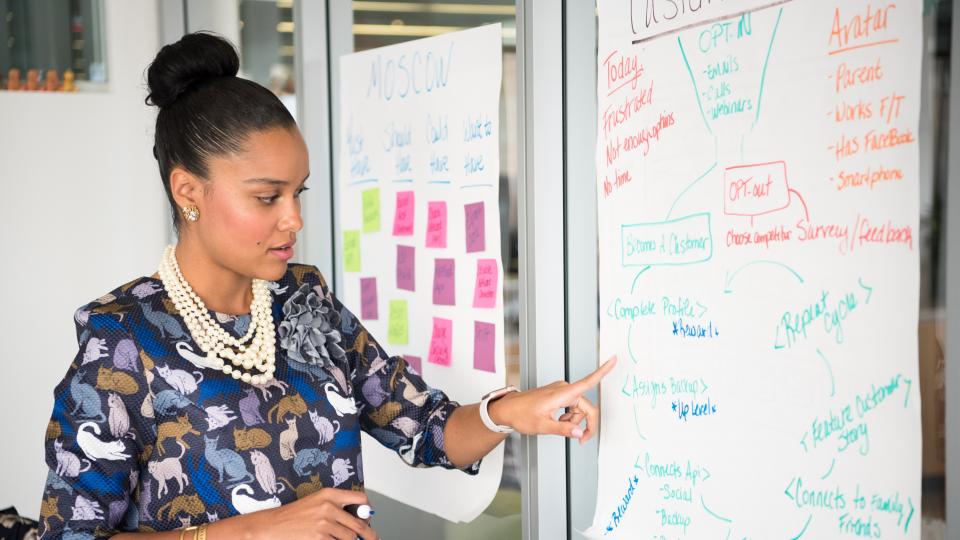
(319,515)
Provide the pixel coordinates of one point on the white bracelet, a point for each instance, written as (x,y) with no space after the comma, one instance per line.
(485,414)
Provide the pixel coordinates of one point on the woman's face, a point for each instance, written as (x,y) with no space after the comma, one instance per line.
(251,204)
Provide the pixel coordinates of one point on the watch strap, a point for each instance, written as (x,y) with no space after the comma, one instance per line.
(485,413)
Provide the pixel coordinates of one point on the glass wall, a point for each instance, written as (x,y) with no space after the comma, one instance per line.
(376,24)
(263,31)
(266,47)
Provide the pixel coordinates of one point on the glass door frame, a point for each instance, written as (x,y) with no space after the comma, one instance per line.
(542,249)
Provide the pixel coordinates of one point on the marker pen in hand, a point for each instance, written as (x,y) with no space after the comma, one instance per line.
(362,511)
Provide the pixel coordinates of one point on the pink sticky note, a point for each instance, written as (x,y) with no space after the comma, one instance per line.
(406,268)
(437,224)
(476,235)
(413,362)
(485,293)
(403,215)
(440,342)
(484,340)
(368,299)
(444,282)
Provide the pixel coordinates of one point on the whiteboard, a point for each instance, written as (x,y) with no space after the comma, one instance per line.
(420,218)
(757,180)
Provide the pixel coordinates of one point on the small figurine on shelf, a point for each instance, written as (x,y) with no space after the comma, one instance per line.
(68,85)
(13,79)
(33,80)
(51,83)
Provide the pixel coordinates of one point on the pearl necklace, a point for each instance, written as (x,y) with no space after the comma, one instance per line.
(216,342)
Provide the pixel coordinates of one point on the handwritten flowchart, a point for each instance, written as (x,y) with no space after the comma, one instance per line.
(758,204)
(420,220)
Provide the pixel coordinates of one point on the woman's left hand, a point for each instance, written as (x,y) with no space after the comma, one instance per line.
(532,412)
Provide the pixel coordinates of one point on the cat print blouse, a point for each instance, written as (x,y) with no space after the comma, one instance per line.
(144,438)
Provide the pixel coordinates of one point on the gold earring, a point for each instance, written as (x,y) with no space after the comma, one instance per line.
(191,213)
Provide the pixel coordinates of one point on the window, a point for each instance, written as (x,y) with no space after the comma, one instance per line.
(51,45)
(266,47)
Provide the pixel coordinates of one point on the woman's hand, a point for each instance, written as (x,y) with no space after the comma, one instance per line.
(532,412)
(318,515)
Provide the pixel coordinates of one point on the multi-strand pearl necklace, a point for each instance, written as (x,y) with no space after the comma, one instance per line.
(216,342)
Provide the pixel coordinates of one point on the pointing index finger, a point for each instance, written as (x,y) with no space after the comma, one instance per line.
(594,378)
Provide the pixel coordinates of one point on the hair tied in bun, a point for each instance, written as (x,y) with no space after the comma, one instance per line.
(196,58)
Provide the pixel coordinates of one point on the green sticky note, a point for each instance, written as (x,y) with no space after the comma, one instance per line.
(397,326)
(351,251)
(371,210)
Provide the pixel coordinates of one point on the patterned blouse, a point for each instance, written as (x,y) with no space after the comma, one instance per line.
(144,438)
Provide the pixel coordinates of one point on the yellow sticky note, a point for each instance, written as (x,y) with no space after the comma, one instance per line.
(371,210)
(398,326)
(351,251)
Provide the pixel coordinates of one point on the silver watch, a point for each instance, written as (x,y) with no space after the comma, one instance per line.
(485,415)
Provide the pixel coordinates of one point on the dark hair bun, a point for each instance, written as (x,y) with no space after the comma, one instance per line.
(196,57)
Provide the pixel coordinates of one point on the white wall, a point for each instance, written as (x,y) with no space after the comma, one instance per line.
(83,211)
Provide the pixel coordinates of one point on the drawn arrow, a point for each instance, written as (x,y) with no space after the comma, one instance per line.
(707,477)
(609,312)
(804,529)
(776,342)
(699,178)
(730,277)
(803,442)
(703,309)
(696,92)
(623,390)
(629,346)
(763,73)
(787,491)
(636,464)
(830,470)
(806,212)
(635,278)
(827,363)
(703,115)
(721,518)
(703,384)
(866,288)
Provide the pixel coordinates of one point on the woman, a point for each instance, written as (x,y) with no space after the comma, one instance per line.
(229,389)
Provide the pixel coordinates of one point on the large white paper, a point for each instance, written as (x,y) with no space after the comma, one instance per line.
(758,211)
(419,181)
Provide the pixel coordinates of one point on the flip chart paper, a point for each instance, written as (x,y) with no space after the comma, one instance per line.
(757,192)
(419,144)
